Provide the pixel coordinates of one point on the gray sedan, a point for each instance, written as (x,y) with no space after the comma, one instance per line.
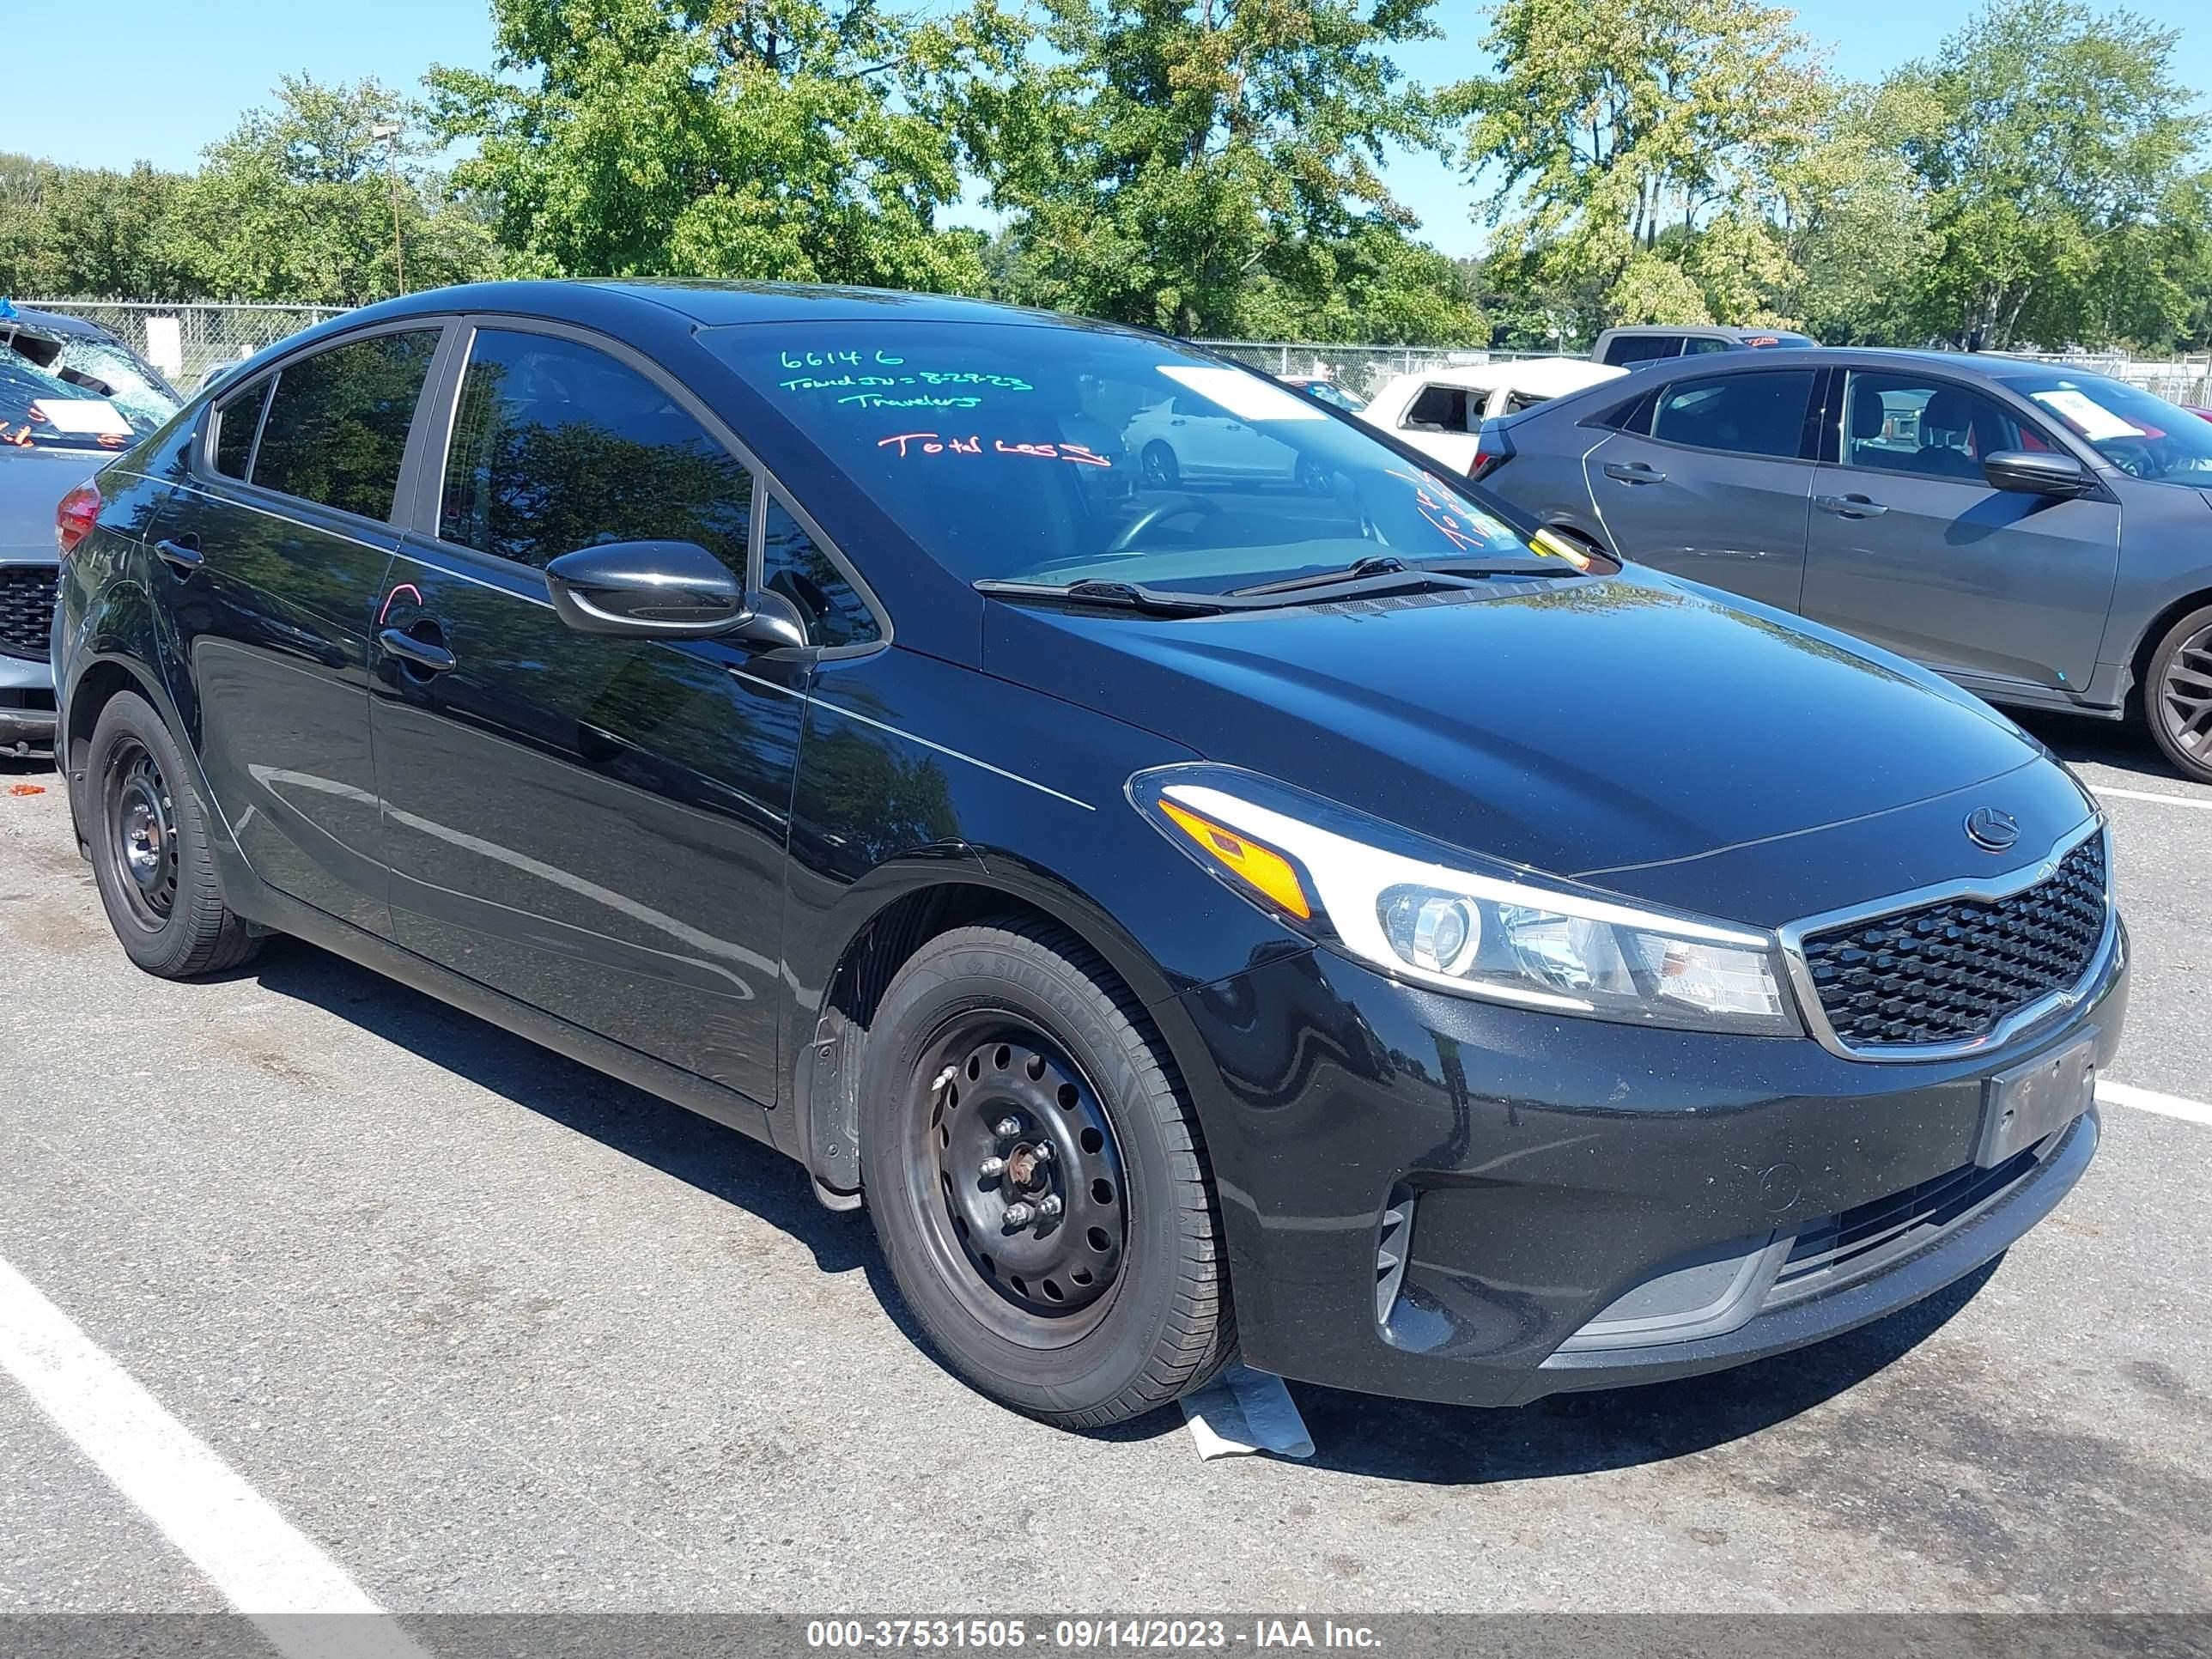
(2041,536)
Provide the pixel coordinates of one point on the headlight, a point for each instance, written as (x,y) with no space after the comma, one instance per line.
(1459,922)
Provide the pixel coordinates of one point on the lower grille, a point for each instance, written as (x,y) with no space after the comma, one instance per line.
(27,608)
(1955,971)
(1833,1252)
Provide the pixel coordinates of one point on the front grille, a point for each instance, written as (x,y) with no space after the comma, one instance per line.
(1952,972)
(27,608)
(1838,1249)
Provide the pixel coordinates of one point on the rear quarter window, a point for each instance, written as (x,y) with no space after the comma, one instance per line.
(337,425)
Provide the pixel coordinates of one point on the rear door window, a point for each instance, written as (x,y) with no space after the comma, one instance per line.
(556,446)
(1443,409)
(1755,413)
(337,425)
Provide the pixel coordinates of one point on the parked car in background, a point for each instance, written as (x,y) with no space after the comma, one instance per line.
(1321,387)
(1187,437)
(1333,926)
(1441,411)
(2041,536)
(87,356)
(54,436)
(1650,343)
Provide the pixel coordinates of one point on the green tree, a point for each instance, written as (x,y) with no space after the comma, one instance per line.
(2063,146)
(86,231)
(1191,164)
(298,205)
(1624,136)
(781,139)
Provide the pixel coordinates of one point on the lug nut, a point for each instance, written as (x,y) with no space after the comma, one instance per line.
(1048,1205)
(1020,1215)
(1007,1128)
(994,1168)
(1043,1150)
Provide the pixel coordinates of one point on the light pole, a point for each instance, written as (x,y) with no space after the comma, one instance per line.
(389,133)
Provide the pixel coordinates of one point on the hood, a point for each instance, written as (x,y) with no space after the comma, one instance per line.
(1619,728)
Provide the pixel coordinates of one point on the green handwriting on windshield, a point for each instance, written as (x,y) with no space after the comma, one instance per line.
(881,379)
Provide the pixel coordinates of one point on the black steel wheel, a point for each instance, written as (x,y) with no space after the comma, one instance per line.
(1031,1226)
(2178,694)
(1037,1182)
(1313,478)
(138,817)
(149,849)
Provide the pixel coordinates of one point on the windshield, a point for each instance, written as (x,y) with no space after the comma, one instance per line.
(1034,453)
(2138,432)
(36,408)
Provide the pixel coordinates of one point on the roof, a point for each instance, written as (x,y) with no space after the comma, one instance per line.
(715,304)
(52,323)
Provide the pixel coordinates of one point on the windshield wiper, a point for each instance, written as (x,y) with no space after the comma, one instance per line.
(1120,596)
(1384,573)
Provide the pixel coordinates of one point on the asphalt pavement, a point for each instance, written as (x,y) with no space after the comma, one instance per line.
(491,1333)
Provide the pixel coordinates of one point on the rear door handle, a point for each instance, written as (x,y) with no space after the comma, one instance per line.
(1850,507)
(1633,472)
(182,553)
(429,658)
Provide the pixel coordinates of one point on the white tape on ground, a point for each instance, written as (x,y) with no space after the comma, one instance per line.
(264,1566)
(2150,1100)
(1243,1411)
(2150,794)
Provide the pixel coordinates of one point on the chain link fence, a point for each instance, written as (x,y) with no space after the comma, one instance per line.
(185,341)
(1360,370)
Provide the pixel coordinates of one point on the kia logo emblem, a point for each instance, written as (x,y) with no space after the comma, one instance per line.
(1991,830)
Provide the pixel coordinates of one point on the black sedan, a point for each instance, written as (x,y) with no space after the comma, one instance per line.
(1338,924)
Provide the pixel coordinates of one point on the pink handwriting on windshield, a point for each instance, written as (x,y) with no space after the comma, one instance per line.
(1439,513)
(932,443)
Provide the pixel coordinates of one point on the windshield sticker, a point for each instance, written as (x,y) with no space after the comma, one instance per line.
(932,443)
(2085,415)
(1245,396)
(91,417)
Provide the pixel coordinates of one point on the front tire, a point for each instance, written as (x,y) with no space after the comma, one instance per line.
(1159,467)
(149,850)
(2176,695)
(1037,1179)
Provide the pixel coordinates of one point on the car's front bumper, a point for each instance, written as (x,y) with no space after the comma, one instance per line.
(26,704)
(1578,1204)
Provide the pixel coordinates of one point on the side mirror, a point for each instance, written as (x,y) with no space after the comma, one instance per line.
(663,590)
(2037,473)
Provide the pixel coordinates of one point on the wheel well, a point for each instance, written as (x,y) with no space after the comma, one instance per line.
(829,1073)
(2139,663)
(94,691)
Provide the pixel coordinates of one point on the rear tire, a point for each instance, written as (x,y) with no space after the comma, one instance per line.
(1161,470)
(1111,1300)
(149,850)
(2176,695)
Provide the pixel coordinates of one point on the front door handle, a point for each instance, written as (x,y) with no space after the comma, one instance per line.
(1850,507)
(1633,472)
(424,654)
(182,553)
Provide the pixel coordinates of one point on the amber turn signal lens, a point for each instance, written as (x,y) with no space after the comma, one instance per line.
(1262,867)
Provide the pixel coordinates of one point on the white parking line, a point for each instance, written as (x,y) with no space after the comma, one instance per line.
(2150,1100)
(264,1566)
(2152,794)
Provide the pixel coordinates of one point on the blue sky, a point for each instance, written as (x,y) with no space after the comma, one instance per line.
(167,79)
